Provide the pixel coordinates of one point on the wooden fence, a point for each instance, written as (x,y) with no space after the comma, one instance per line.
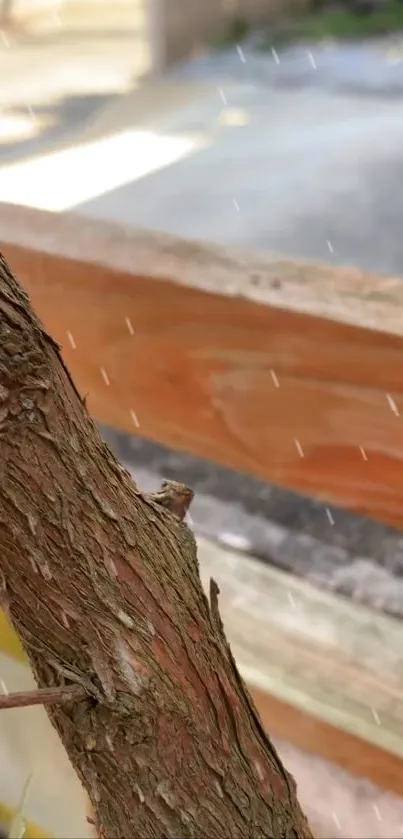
(289,371)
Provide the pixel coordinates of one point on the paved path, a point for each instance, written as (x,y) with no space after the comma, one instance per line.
(302,154)
(298,151)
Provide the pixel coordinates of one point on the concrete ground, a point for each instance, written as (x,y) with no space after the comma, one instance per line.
(59,69)
(302,155)
(298,151)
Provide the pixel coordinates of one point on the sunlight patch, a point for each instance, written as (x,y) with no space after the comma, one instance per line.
(64,179)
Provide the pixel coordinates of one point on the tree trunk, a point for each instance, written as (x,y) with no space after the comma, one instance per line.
(102,586)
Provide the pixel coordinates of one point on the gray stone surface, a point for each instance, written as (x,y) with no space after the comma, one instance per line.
(355,557)
(303,156)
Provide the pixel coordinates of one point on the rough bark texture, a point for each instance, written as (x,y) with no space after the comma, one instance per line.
(103,588)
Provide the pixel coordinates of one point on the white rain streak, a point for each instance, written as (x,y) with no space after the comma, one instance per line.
(336,820)
(392,405)
(329,515)
(275,379)
(222,96)
(330,246)
(299,448)
(4,39)
(377,812)
(129,326)
(363,453)
(105,376)
(312,60)
(291,599)
(236,205)
(134,418)
(275,55)
(109,743)
(71,341)
(376,716)
(3,687)
(31,112)
(241,54)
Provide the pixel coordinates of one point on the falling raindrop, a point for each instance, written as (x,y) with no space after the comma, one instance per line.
(275,379)
(329,515)
(376,716)
(71,341)
(299,448)
(134,418)
(336,821)
(312,60)
(392,404)
(241,54)
(377,812)
(105,376)
(129,326)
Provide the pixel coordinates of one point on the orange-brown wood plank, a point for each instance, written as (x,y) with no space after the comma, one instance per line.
(306,402)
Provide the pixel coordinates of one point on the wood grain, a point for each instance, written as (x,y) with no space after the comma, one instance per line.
(300,401)
(325,673)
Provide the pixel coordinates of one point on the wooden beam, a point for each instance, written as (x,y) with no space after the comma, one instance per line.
(272,367)
(325,673)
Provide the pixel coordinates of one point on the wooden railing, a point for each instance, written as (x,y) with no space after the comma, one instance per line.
(292,372)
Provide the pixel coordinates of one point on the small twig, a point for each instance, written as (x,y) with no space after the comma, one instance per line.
(42,696)
(18,824)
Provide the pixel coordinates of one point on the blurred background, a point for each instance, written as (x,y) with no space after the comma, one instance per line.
(271,124)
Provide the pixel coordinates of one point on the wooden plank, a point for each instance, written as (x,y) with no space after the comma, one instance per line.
(217,355)
(325,673)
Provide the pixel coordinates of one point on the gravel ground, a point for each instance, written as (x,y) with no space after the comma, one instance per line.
(354,556)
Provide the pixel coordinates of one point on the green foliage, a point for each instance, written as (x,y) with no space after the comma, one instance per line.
(339,23)
(236,31)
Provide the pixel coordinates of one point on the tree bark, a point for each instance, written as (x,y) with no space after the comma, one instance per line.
(102,586)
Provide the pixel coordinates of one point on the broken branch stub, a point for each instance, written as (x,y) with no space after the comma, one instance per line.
(44,696)
(104,591)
